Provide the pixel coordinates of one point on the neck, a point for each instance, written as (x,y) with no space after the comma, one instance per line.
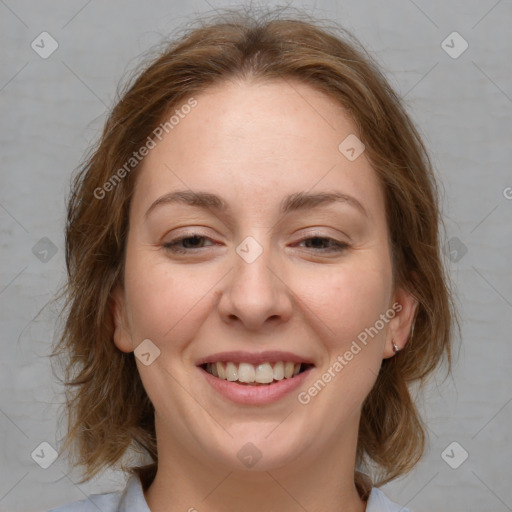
(325,483)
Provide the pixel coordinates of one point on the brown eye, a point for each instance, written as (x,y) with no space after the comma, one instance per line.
(324,244)
(186,243)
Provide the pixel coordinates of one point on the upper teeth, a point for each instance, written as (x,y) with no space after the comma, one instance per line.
(245,372)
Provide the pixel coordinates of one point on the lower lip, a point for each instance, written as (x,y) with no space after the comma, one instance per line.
(255,395)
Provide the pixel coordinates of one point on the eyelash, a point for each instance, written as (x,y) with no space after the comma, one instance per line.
(172,246)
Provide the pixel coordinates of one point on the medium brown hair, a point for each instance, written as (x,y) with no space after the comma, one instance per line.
(108,411)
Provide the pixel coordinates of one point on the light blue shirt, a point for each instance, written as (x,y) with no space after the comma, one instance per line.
(131,499)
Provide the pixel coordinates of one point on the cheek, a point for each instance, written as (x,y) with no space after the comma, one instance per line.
(167,302)
(349,299)
(350,302)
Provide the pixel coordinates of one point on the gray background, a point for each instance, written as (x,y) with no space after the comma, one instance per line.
(53,108)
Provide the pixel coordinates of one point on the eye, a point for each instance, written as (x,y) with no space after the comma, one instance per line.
(186,243)
(324,244)
(192,242)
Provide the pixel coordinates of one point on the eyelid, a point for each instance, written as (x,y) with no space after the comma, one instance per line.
(335,244)
(186,231)
(190,233)
(334,248)
(193,232)
(317,232)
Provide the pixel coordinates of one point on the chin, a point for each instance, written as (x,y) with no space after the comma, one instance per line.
(255,448)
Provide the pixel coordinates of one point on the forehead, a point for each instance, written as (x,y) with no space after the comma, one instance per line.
(258,141)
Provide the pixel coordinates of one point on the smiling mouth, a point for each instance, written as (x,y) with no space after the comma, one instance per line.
(263,374)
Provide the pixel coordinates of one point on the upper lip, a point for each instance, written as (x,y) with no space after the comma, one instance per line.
(238,356)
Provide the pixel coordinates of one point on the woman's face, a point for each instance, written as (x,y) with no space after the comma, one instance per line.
(286,259)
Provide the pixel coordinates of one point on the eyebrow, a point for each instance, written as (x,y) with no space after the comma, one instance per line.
(291,203)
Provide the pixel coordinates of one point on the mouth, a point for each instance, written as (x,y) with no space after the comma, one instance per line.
(249,378)
(249,374)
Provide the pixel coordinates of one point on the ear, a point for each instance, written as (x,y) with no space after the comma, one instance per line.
(122,336)
(401,325)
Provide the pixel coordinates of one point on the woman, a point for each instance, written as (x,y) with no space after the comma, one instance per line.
(255,278)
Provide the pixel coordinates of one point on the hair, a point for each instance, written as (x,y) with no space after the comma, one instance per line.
(108,411)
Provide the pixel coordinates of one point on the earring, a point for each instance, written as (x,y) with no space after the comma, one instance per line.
(395,346)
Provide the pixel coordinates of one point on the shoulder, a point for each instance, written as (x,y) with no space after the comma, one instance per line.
(131,499)
(379,502)
(108,502)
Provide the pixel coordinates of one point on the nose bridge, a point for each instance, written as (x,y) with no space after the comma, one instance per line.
(254,294)
(252,276)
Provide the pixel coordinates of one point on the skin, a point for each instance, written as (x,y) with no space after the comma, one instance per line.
(253,143)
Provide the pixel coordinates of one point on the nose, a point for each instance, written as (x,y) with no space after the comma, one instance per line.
(255,293)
